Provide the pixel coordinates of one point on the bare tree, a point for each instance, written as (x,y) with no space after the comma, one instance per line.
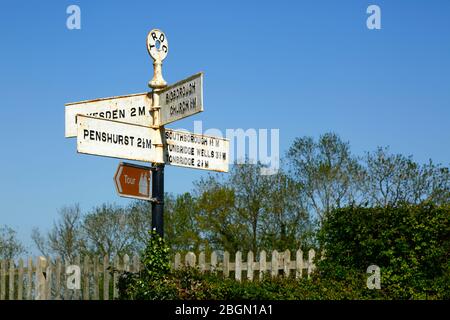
(391,179)
(10,246)
(140,220)
(65,239)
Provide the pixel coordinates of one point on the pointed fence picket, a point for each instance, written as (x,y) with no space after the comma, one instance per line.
(3,280)
(45,278)
(20,281)
(95,275)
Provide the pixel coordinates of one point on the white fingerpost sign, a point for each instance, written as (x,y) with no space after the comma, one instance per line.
(182,99)
(133,108)
(116,139)
(196,151)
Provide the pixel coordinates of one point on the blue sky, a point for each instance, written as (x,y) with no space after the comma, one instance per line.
(304,67)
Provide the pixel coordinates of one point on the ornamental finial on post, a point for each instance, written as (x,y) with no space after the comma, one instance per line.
(157,47)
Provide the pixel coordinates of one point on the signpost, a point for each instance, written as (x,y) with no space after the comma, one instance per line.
(195,151)
(132,127)
(182,99)
(133,181)
(118,139)
(134,108)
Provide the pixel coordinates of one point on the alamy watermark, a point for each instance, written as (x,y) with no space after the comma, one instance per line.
(74,19)
(374,280)
(374,20)
(250,145)
(73,273)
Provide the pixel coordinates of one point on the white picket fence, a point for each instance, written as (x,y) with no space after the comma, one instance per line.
(279,262)
(46,279)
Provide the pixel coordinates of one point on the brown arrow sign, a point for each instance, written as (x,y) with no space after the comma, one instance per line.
(133,181)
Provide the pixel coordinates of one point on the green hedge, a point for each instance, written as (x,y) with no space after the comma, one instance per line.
(191,284)
(410,244)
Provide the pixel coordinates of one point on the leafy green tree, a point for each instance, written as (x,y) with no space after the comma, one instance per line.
(286,221)
(221,226)
(249,211)
(181,227)
(326,171)
(231,208)
(107,231)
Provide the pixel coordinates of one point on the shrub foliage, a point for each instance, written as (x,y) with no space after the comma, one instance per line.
(410,244)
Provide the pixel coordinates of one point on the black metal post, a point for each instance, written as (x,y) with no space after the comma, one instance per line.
(158,196)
